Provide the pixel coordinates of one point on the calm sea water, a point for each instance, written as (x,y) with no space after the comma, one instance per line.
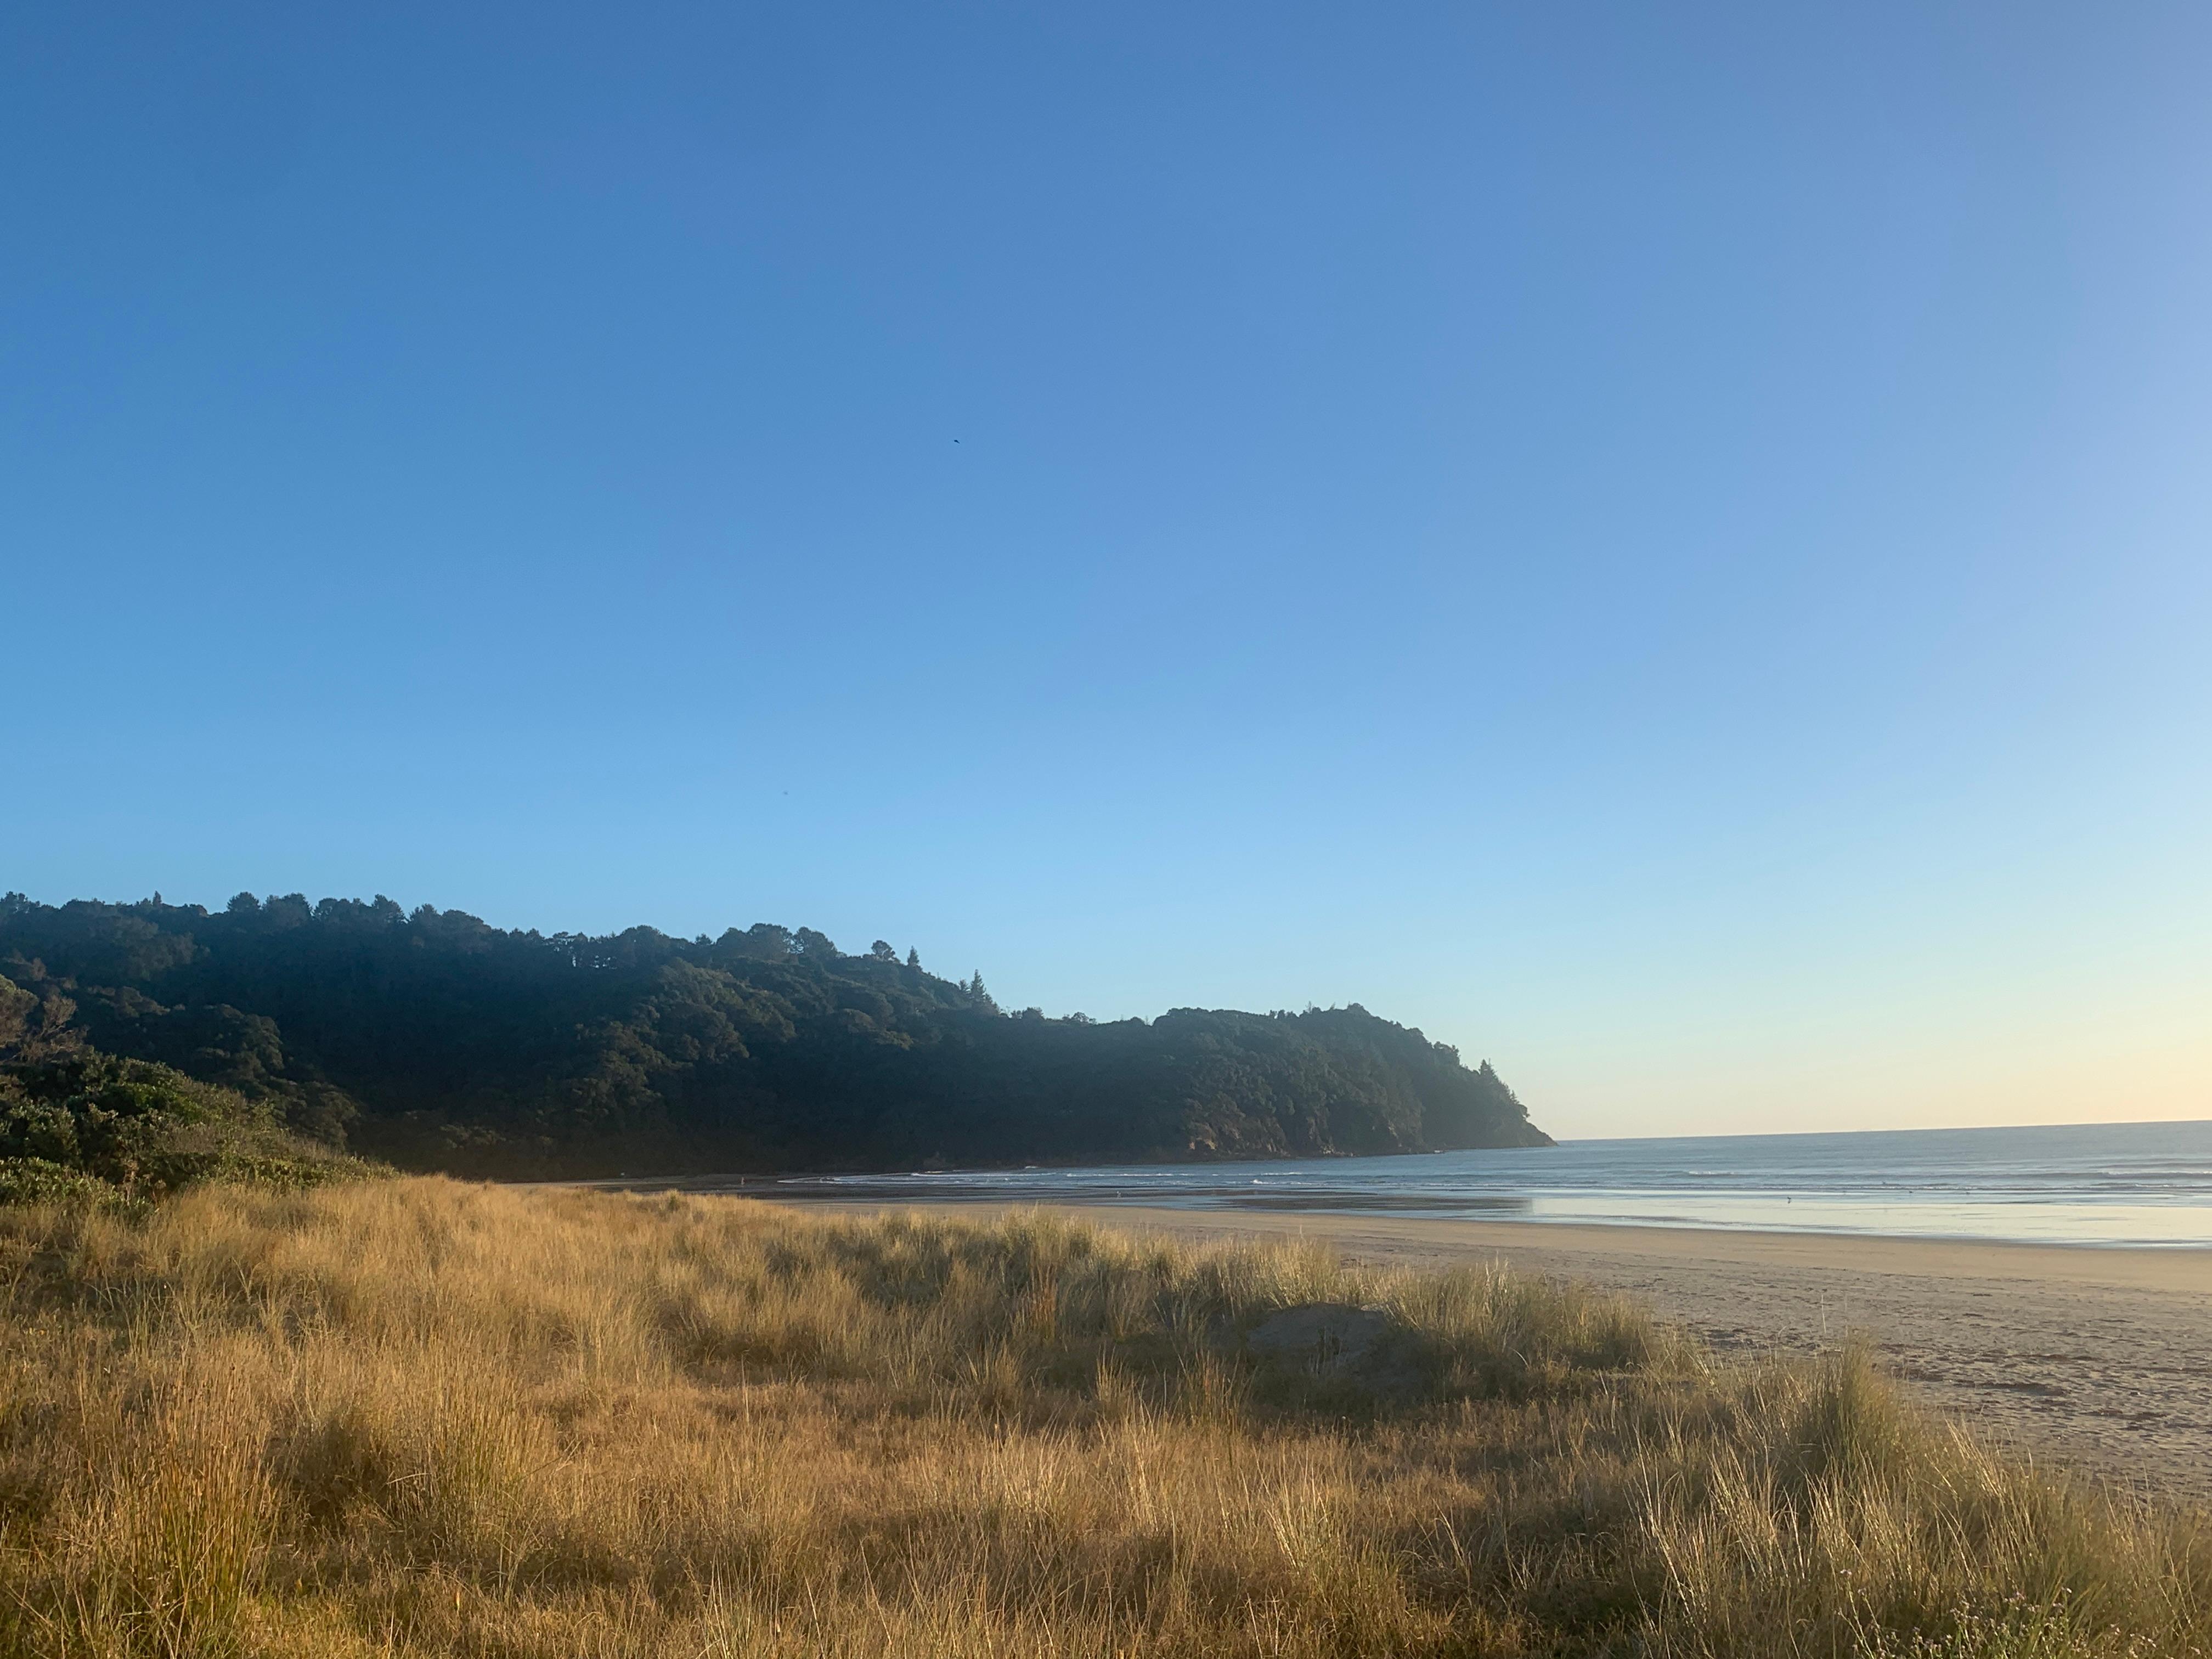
(2126,1184)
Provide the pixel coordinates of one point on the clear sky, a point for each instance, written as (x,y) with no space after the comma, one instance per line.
(1668,546)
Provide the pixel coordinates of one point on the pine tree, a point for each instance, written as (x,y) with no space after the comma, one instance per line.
(913,957)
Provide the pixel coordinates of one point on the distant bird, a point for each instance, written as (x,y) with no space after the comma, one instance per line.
(955,441)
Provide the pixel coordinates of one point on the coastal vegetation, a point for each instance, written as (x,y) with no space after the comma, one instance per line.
(417,1417)
(432,1040)
(78,1124)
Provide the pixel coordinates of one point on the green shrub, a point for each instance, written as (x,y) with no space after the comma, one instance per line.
(42,1180)
(84,1124)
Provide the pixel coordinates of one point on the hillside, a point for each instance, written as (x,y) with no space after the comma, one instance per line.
(439,1043)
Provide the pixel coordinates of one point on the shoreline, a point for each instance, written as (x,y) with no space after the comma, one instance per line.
(2096,1359)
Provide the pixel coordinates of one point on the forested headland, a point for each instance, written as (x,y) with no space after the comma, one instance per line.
(436,1041)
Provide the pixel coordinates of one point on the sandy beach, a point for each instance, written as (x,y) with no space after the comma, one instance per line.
(2093,1358)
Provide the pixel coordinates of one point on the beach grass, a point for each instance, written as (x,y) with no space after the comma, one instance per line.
(423,1417)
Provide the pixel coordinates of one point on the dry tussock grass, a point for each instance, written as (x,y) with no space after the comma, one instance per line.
(423,1417)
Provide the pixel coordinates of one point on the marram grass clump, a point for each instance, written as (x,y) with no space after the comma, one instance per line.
(415,1416)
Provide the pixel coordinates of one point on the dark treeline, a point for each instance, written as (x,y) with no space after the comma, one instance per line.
(434,1040)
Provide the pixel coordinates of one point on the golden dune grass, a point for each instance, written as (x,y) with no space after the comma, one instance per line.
(419,1417)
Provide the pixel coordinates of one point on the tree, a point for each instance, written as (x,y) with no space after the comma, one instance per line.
(978,995)
(882,951)
(914,958)
(289,909)
(764,941)
(17,1006)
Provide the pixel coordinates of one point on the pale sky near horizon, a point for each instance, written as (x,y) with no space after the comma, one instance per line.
(1666,546)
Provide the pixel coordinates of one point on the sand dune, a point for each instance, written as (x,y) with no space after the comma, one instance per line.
(2094,1358)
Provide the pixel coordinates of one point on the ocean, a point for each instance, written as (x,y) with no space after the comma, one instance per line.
(2091,1184)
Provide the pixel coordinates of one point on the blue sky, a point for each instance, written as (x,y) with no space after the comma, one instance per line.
(1667,547)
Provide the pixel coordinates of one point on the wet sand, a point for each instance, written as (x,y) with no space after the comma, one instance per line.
(2095,1359)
